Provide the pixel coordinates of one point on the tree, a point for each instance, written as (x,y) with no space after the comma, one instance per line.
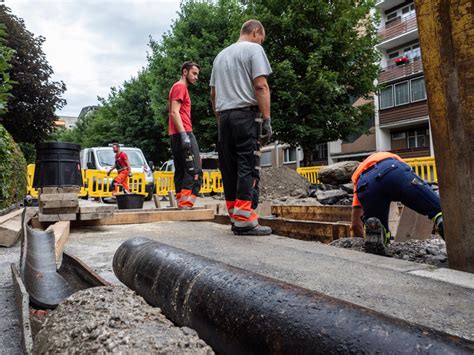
(34,96)
(323,57)
(6,54)
(201,31)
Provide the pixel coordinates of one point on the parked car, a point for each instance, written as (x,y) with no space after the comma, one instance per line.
(103,158)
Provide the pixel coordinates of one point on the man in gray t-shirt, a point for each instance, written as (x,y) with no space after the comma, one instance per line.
(241,99)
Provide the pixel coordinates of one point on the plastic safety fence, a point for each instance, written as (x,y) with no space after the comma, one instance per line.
(164,182)
(30,173)
(99,183)
(425,168)
(96,183)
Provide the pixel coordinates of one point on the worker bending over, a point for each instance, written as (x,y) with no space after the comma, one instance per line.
(187,163)
(241,101)
(123,170)
(380,179)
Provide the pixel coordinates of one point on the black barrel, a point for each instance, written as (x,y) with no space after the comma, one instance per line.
(57,164)
(241,312)
(130,201)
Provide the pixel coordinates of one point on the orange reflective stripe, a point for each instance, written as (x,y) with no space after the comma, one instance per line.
(243,211)
(243,204)
(187,198)
(178,196)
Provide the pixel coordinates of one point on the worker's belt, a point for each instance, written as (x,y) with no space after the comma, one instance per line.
(246,108)
(373,166)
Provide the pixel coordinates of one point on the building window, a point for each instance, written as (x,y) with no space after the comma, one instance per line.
(418,90)
(402,94)
(408,10)
(386,97)
(290,155)
(412,51)
(399,135)
(322,151)
(266,158)
(417,139)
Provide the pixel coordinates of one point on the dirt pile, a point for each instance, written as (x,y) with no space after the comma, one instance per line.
(430,251)
(113,319)
(281,182)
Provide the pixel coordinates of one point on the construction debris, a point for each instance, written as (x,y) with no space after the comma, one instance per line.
(113,319)
(282,182)
(338,173)
(430,251)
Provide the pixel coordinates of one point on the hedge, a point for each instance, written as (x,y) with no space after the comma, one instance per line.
(12,171)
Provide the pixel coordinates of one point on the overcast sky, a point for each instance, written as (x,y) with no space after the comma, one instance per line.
(95,44)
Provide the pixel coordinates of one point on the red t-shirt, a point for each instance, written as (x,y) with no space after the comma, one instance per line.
(179,92)
(120,160)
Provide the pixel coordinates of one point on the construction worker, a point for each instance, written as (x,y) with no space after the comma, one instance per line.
(241,101)
(380,179)
(124,170)
(187,163)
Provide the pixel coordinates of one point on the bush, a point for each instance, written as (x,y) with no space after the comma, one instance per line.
(12,171)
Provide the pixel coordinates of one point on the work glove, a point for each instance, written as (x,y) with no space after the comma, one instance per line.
(266,131)
(185,141)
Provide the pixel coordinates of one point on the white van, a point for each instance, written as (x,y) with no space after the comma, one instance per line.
(103,158)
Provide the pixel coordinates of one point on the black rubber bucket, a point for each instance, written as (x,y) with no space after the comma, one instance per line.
(57,164)
(130,201)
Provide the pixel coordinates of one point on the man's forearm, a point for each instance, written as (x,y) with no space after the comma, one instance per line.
(263,99)
(213,102)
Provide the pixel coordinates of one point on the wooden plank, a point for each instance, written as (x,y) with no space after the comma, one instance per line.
(151,216)
(313,213)
(446,29)
(10,228)
(61,236)
(324,232)
(56,217)
(172,199)
(92,216)
(58,197)
(97,208)
(58,204)
(61,210)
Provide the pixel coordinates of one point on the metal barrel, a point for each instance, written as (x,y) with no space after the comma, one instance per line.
(240,312)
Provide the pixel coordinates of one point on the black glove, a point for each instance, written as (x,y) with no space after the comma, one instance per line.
(185,141)
(266,131)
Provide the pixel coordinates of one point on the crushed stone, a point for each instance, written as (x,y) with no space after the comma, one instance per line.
(428,251)
(113,319)
(282,182)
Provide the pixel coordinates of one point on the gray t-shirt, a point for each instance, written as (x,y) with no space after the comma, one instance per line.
(233,72)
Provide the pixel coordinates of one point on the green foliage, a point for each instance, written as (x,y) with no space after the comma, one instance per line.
(34,96)
(324,57)
(12,171)
(6,54)
(201,31)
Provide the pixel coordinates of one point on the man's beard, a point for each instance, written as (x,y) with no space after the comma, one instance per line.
(188,81)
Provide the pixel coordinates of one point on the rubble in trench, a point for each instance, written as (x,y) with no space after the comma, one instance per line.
(429,251)
(113,320)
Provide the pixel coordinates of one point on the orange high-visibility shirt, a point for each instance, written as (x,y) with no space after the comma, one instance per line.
(366,164)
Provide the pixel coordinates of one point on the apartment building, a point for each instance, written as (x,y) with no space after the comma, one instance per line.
(401,119)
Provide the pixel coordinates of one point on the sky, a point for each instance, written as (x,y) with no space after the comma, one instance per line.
(93,45)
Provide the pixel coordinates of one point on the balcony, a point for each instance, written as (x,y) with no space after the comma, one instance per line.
(398,32)
(394,72)
(387,4)
(412,152)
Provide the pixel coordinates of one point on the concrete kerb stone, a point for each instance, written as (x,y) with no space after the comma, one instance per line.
(453,277)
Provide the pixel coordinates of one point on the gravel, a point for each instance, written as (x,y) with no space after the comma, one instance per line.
(113,319)
(282,182)
(429,251)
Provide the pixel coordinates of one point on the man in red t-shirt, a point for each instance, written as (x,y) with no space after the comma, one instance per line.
(123,170)
(187,163)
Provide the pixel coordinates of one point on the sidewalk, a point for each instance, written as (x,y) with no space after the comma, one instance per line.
(437,298)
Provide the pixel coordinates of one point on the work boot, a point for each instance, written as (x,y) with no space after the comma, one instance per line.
(376,237)
(257,231)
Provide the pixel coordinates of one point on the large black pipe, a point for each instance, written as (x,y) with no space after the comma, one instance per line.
(237,312)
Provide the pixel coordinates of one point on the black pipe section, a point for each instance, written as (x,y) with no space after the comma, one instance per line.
(240,312)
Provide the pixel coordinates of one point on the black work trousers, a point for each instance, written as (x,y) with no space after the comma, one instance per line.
(184,178)
(239,160)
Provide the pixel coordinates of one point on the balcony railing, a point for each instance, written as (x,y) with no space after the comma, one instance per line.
(395,71)
(398,27)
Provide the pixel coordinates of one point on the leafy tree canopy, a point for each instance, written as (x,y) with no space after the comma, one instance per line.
(34,96)
(6,54)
